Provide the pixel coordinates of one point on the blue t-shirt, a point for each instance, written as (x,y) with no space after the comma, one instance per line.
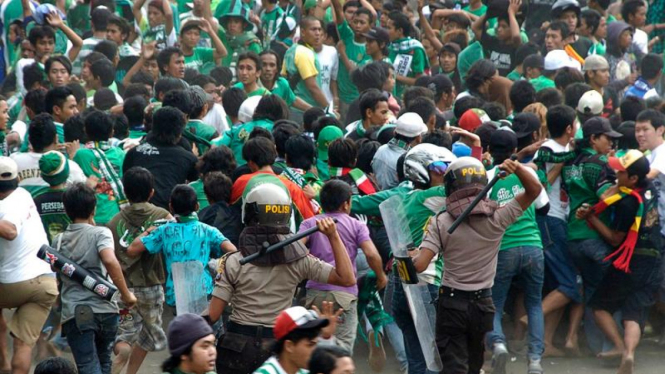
(182,242)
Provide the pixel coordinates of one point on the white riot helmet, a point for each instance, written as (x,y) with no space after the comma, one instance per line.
(424,157)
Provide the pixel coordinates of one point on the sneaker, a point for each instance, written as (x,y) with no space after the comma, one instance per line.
(377,355)
(499,358)
(535,367)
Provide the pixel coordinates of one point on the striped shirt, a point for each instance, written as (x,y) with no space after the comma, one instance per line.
(88,45)
(272,366)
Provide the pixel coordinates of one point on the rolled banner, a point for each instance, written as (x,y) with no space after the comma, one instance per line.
(75,272)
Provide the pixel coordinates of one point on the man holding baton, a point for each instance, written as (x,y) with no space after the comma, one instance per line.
(465,309)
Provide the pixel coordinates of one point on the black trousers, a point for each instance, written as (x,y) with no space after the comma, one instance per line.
(462,320)
(243,353)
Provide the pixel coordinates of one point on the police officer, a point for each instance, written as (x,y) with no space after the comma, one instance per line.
(465,309)
(261,289)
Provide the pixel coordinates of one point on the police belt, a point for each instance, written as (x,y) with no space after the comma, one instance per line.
(467,295)
(260,332)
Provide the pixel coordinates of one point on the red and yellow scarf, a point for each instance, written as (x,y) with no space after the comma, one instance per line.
(625,251)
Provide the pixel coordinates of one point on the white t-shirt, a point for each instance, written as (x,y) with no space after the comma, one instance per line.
(20,64)
(217,118)
(641,41)
(29,174)
(18,257)
(329,62)
(657,161)
(558,197)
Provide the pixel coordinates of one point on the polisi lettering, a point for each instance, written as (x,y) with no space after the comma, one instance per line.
(278,209)
(472,170)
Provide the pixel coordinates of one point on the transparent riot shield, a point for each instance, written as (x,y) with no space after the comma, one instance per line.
(189,285)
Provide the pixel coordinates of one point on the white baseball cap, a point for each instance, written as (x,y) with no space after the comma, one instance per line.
(8,169)
(410,125)
(591,103)
(558,59)
(247,108)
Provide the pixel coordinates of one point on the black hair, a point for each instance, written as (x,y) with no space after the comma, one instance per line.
(334,194)
(93,57)
(414,92)
(651,66)
(271,107)
(190,74)
(222,74)
(295,336)
(104,99)
(351,3)
(217,187)
(281,134)
(366,12)
(219,159)
(167,125)
(369,76)
(40,32)
(324,359)
(104,70)
(232,99)
(630,7)
(366,151)
(251,56)
(562,27)
(183,200)
(549,97)
(300,152)
(310,116)
(369,100)
(525,50)
(166,84)
(198,103)
(439,138)
(78,91)
(385,134)
(331,31)
(180,99)
(99,19)
(400,168)
(261,132)
(137,90)
(56,97)
(122,24)
(559,117)
(133,108)
(98,126)
(143,78)
(630,107)
(324,121)
(574,93)
(36,101)
(120,126)
(465,103)
(201,80)
(592,19)
(80,201)
(566,77)
(401,21)
(74,129)
(42,132)
(522,94)
(627,140)
(108,48)
(55,365)
(33,74)
(164,57)
(460,19)
(63,60)
(343,152)
(138,183)
(494,110)
(479,73)
(259,150)
(422,106)
(656,118)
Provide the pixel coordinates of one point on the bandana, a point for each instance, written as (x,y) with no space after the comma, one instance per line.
(359,178)
(625,251)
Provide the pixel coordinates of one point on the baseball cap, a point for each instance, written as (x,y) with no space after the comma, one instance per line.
(327,135)
(297,318)
(378,33)
(632,161)
(591,103)
(558,59)
(598,125)
(191,23)
(54,168)
(247,108)
(452,48)
(8,169)
(525,124)
(472,119)
(410,125)
(503,140)
(185,330)
(440,83)
(595,62)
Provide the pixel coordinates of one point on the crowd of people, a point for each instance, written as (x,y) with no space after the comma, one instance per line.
(140,137)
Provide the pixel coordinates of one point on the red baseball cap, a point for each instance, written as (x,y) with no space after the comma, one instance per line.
(297,318)
(472,119)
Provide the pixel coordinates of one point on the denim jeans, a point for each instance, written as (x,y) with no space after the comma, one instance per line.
(391,330)
(92,341)
(527,264)
(561,274)
(402,316)
(588,257)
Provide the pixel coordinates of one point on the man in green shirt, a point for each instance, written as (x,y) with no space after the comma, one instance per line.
(55,171)
(271,15)
(201,133)
(520,256)
(248,71)
(236,34)
(200,58)
(407,54)
(60,103)
(278,85)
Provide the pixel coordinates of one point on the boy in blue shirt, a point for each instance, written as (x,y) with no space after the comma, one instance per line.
(187,239)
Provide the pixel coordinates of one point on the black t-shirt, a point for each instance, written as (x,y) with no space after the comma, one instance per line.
(226,218)
(624,216)
(51,210)
(500,53)
(611,100)
(169,165)
(582,46)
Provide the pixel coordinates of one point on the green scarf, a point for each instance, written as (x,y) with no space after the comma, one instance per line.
(192,217)
(107,172)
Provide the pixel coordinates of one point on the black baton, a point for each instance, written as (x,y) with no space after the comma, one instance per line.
(268,249)
(481,195)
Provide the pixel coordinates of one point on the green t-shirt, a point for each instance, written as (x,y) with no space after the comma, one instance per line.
(302,60)
(409,59)
(197,185)
(269,23)
(283,90)
(60,39)
(472,53)
(157,33)
(201,130)
(107,202)
(12,12)
(136,134)
(514,76)
(79,18)
(356,53)
(237,45)
(201,59)
(481,12)
(236,137)
(542,83)
(524,231)
(261,91)
(52,212)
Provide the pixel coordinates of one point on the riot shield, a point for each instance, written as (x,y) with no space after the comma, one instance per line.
(417,294)
(189,285)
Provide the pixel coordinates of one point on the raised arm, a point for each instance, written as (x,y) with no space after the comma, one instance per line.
(136,10)
(168,17)
(54,20)
(342,274)
(147,51)
(367,5)
(513,8)
(338,12)
(427,28)
(478,26)
(220,49)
